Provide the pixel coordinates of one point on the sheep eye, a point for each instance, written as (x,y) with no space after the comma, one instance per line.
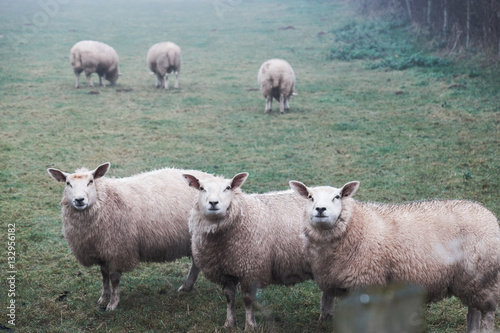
(67,183)
(336,197)
(310,197)
(228,188)
(202,188)
(90,182)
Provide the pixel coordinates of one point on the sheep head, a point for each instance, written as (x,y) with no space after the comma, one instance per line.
(324,202)
(215,194)
(113,75)
(80,188)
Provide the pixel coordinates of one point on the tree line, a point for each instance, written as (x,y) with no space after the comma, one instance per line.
(463,24)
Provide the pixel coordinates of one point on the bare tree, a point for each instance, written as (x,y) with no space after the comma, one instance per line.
(408,8)
(462,23)
(445,16)
(467,38)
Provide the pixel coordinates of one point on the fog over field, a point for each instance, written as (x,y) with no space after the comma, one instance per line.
(375,102)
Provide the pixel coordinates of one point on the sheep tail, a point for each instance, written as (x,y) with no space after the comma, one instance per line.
(76,59)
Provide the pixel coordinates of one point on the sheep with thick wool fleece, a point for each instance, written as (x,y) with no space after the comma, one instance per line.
(249,239)
(94,57)
(164,58)
(276,80)
(117,223)
(447,247)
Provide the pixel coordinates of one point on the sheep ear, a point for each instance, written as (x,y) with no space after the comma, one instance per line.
(58,175)
(238,180)
(349,189)
(300,188)
(192,181)
(101,170)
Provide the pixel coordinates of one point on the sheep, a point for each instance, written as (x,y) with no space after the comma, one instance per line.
(94,57)
(276,79)
(248,239)
(118,222)
(163,59)
(445,246)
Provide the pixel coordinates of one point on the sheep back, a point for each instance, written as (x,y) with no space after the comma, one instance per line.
(259,241)
(276,76)
(91,56)
(138,218)
(164,57)
(444,246)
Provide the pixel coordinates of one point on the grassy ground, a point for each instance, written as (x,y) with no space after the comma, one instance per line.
(406,135)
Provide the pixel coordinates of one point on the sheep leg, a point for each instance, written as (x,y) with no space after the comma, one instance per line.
(327,305)
(487,321)
(102,81)
(287,104)
(166,81)
(282,103)
(269,104)
(248,298)
(106,291)
(188,284)
(115,291)
(176,85)
(230,292)
(77,84)
(473,320)
(159,81)
(89,80)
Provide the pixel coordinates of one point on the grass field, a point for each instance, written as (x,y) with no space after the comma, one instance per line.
(406,135)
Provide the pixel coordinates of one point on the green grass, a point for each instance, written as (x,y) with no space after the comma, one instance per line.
(384,44)
(411,134)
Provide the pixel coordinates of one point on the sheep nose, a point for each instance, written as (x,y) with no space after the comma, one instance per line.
(79,201)
(213,203)
(320,210)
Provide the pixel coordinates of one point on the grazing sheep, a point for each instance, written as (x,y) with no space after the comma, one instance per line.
(449,247)
(276,79)
(118,222)
(163,59)
(250,239)
(94,57)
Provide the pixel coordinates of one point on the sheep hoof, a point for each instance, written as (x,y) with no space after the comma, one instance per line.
(185,289)
(250,326)
(102,300)
(111,307)
(325,317)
